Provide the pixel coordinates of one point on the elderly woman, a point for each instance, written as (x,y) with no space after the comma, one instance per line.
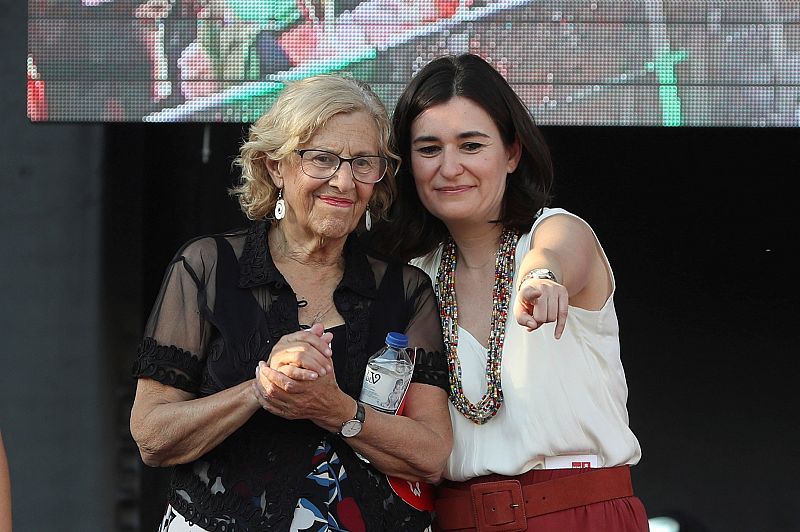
(294,301)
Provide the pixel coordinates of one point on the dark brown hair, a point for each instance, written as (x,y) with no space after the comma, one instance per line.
(411,230)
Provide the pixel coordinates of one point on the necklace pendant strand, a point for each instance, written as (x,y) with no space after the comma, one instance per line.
(318,316)
(492,400)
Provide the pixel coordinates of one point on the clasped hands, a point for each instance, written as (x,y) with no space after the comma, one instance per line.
(298,381)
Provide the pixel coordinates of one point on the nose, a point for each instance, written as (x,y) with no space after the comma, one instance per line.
(343,179)
(450,163)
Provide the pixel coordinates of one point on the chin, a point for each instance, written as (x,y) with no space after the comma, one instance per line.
(454,215)
(334,229)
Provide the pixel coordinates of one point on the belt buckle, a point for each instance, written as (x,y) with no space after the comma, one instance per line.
(499,506)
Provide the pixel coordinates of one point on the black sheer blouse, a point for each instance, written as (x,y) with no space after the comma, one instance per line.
(222,306)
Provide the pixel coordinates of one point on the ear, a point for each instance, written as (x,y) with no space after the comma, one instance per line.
(275,170)
(514,155)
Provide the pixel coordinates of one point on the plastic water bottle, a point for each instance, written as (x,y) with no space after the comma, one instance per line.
(388,374)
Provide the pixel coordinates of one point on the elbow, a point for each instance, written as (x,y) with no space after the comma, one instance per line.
(153,455)
(150,450)
(433,472)
(434,477)
(420,473)
(424,467)
(150,459)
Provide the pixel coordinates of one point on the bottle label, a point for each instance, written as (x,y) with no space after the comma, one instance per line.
(384,388)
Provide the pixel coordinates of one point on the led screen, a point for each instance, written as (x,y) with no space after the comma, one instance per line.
(620,63)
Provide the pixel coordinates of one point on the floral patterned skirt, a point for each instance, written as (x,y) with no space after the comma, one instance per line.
(326,501)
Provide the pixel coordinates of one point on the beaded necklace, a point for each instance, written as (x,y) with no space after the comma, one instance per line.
(490,403)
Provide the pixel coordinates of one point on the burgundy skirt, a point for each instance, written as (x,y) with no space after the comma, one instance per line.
(542,500)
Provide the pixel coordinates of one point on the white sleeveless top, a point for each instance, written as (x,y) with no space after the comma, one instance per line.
(561,397)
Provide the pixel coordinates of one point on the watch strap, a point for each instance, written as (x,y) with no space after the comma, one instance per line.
(537,273)
(359,411)
(357,420)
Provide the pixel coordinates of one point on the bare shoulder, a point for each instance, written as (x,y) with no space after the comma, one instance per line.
(563,227)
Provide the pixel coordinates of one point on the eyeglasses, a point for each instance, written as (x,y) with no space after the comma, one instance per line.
(321,164)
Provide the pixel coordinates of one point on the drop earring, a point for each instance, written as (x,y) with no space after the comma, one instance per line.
(368,220)
(280,206)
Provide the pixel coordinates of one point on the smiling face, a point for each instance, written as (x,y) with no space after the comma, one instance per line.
(460,162)
(332,208)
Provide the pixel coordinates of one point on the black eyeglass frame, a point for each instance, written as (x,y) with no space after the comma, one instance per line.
(339,165)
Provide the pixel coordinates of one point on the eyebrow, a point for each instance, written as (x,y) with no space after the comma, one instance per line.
(339,153)
(464,135)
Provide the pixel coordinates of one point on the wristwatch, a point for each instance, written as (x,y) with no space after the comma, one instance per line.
(352,427)
(537,273)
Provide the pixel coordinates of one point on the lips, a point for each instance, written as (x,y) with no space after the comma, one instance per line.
(337,202)
(453,189)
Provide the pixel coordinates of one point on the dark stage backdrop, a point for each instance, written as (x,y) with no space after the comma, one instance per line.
(699,225)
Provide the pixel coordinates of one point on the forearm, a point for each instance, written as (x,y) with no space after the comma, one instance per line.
(412,447)
(567,247)
(541,258)
(402,447)
(176,432)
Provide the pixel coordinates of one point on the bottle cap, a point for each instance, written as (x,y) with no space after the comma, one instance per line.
(396,339)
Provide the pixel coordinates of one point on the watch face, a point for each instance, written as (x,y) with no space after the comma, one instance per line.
(350,428)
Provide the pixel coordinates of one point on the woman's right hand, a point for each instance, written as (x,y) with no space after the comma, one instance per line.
(299,356)
(303,355)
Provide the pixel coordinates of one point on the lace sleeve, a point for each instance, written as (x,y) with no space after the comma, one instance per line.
(424,330)
(177,332)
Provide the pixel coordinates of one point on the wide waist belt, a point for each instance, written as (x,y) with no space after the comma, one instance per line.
(505,505)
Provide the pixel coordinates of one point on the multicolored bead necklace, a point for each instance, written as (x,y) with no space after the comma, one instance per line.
(490,403)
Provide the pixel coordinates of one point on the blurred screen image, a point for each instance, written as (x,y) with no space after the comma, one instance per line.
(594,63)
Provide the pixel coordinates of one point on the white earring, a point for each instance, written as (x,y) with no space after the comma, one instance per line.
(280,206)
(368,220)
